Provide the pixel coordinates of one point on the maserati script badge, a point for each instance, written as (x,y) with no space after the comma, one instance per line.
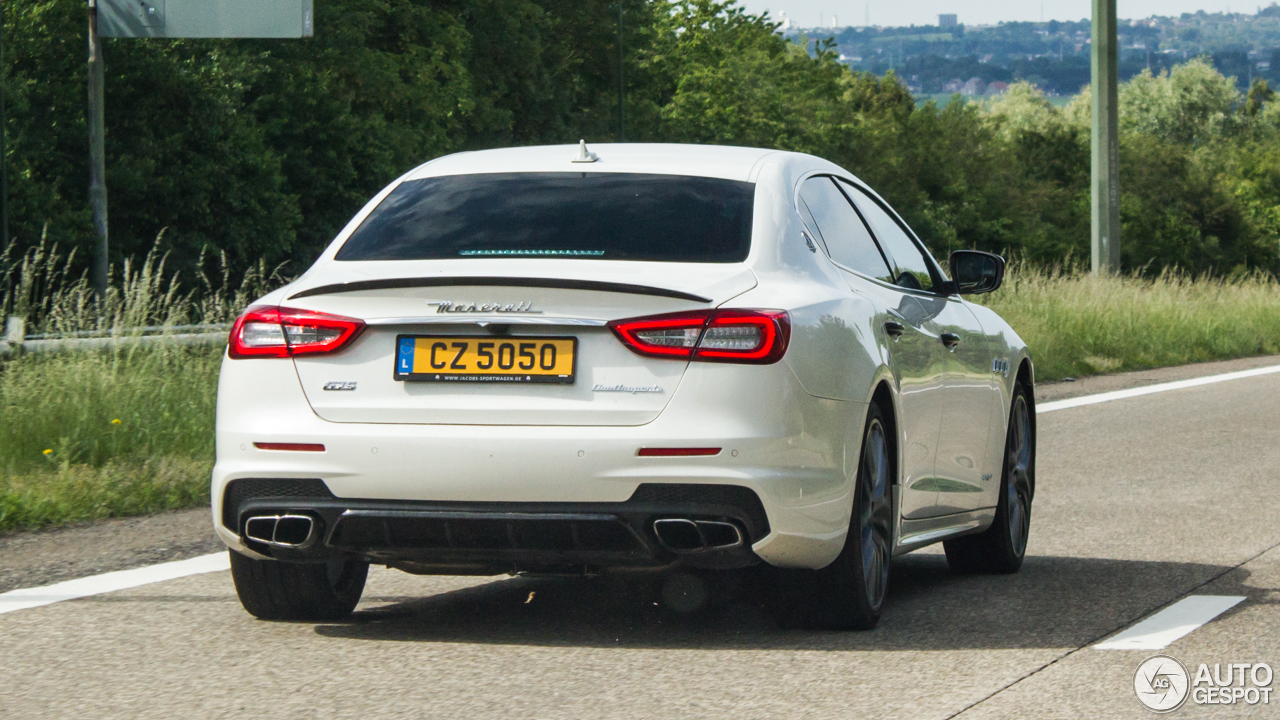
(453,307)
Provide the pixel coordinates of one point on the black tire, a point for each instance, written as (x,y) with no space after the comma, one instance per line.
(1001,547)
(849,593)
(273,590)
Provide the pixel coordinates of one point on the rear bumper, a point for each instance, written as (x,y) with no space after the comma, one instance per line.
(490,538)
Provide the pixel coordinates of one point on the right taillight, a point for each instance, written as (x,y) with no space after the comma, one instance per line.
(733,336)
(281,332)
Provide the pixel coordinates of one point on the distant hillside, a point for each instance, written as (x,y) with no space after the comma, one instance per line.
(1055,55)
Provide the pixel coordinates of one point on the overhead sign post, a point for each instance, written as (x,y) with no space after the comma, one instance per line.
(4,171)
(97,154)
(169,19)
(1105,220)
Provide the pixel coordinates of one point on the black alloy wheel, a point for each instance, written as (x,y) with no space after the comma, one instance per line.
(875,521)
(849,593)
(1018,470)
(1002,547)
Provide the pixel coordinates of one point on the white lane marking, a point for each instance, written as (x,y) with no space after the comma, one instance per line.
(1151,389)
(1171,623)
(110,582)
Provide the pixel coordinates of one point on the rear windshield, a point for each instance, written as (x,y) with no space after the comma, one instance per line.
(601,216)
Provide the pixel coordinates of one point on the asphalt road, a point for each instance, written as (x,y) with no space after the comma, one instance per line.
(1140,502)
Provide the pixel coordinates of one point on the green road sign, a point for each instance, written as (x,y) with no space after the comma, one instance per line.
(205,18)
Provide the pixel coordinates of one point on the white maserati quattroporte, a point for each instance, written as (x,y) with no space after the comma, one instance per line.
(551,360)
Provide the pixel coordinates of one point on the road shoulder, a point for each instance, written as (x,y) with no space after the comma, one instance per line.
(1062,390)
(43,557)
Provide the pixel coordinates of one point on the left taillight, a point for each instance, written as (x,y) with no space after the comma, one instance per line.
(758,337)
(265,331)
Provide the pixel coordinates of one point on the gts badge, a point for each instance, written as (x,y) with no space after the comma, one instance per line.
(1000,366)
(340,385)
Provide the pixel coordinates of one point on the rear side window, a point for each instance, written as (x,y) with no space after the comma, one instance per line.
(842,232)
(911,270)
(603,216)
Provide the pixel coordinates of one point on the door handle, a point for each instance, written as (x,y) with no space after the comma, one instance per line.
(894,329)
(951,340)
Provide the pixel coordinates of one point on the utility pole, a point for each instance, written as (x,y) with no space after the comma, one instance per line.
(97,159)
(4,151)
(622,128)
(1105,220)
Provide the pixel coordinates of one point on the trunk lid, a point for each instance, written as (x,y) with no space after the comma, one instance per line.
(499,302)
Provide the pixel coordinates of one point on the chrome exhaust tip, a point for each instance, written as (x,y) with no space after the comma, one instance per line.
(283,531)
(681,535)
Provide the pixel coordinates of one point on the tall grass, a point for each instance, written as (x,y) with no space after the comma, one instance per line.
(44,287)
(121,431)
(90,408)
(1078,324)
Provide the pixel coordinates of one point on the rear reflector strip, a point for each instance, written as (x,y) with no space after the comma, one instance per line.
(677,452)
(294,447)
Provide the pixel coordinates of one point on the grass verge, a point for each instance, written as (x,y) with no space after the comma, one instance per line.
(71,493)
(1077,324)
(104,434)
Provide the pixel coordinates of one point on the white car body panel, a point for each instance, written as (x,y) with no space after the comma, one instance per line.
(790,431)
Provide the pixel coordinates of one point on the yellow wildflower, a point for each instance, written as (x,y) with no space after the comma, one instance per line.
(116,421)
(48,452)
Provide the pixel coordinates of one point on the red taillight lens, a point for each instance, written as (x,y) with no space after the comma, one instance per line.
(673,336)
(280,332)
(737,336)
(746,336)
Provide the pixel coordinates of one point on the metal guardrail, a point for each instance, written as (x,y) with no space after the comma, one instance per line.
(146,330)
(17,341)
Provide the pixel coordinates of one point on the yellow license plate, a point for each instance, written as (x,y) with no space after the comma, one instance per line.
(453,358)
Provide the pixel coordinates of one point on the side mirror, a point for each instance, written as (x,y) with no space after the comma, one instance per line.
(974,272)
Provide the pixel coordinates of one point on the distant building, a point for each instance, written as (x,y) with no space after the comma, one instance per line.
(948,20)
(975,86)
(997,88)
(953,86)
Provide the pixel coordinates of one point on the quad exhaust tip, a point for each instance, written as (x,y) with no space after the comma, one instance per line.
(283,531)
(681,535)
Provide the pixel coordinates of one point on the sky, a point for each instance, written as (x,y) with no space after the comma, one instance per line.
(806,13)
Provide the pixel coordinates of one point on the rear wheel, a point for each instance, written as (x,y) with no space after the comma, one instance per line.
(1001,548)
(273,590)
(850,592)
